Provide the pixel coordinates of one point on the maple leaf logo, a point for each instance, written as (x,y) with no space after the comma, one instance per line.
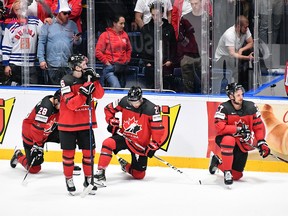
(132,126)
(240,123)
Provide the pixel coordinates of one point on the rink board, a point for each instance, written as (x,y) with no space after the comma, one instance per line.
(188,119)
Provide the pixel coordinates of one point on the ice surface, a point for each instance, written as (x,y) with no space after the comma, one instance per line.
(163,192)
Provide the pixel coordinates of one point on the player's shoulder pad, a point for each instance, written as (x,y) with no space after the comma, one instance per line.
(66,82)
(250,107)
(123,102)
(44,109)
(150,108)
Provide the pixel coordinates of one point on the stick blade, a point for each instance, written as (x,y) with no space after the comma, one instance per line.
(87,190)
(24,183)
(100,184)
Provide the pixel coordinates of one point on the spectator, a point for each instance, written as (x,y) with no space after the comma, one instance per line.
(180,8)
(235,47)
(40,8)
(19,46)
(169,48)
(141,124)
(77,118)
(189,44)
(276,8)
(55,45)
(76,10)
(114,50)
(143,14)
(37,8)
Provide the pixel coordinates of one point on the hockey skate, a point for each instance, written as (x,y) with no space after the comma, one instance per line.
(14,159)
(86,184)
(228,178)
(123,164)
(215,161)
(70,186)
(100,178)
(76,170)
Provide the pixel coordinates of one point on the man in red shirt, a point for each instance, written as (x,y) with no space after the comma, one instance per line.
(142,131)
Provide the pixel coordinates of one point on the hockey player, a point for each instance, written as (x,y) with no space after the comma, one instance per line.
(77,89)
(142,131)
(39,127)
(238,124)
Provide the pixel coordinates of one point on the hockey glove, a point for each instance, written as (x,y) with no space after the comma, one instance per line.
(151,149)
(113,126)
(245,133)
(36,152)
(264,150)
(87,89)
(92,73)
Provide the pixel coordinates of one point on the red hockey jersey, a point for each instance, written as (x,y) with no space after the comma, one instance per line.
(227,119)
(74,109)
(40,123)
(141,125)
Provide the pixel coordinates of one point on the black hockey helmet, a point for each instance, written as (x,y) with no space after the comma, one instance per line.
(233,87)
(76,60)
(57,95)
(134,93)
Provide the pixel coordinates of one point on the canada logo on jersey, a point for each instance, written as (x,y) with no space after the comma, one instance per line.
(169,118)
(6,107)
(131,126)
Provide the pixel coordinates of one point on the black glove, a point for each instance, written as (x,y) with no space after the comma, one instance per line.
(92,73)
(87,89)
(151,149)
(245,133)
(263,148)
(36,152)
(113,126)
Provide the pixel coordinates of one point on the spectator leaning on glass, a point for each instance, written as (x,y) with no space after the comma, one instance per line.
(55,44)
(235,47)
(114,49)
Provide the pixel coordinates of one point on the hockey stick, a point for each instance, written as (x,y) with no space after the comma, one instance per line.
(24,182)
(89,188)
(275,156)
(158,158)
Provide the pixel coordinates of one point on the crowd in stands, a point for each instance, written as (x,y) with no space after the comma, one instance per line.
(45,33)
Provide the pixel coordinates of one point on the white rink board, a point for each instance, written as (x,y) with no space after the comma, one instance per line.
(190,134)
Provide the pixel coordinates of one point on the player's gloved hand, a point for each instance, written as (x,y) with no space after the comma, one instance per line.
(113,126)
(264,150)
(245,133)
(151,149)
(92,73)
(87,89)
(36,152)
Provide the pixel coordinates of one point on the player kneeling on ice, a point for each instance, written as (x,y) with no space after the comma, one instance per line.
(39,127)
(141,133)
(239,129)
(77,118)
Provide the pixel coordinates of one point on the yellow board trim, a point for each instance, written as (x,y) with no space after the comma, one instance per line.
(179,162)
